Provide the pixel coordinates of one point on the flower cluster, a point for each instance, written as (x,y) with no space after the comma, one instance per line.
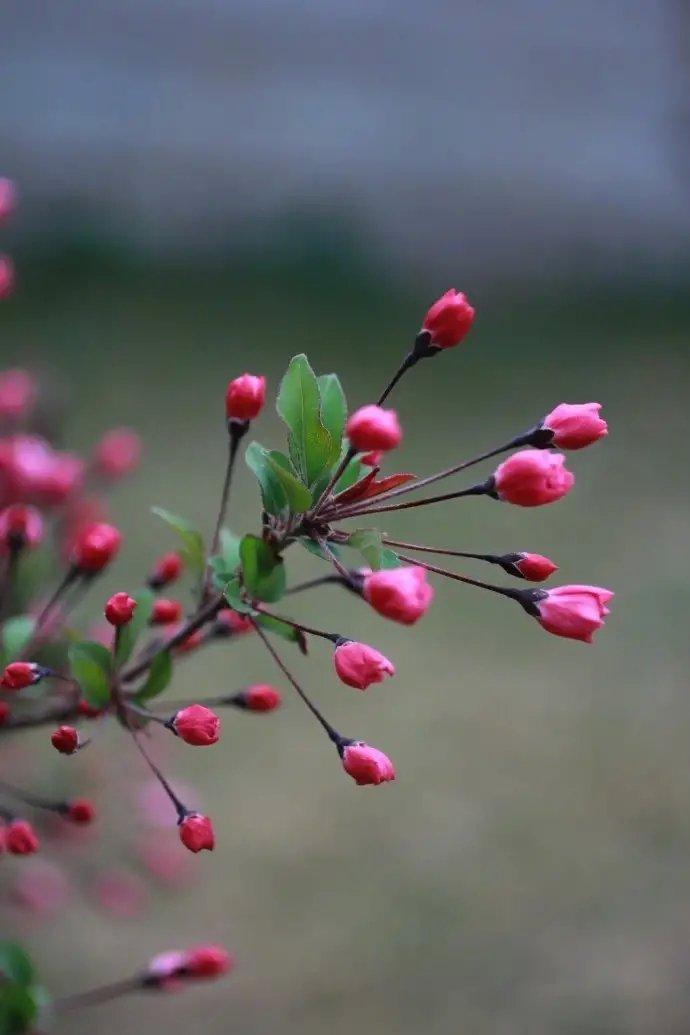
(329,476)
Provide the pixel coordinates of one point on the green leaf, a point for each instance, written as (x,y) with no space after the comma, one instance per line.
(233,594)
(129,633)
(299,404)
(298,495)
(230,548)
(279,627)
(272,492)
(15,964)
(389,559)
(263,572)
(318,551)
(16,633)
(368,542)
(18,1009)
(90,665)
(192,540)
(160,674)
(333,408)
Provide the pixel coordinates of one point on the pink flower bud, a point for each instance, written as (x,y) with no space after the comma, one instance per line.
(191,642)
(245,397)
(7,278)
(367,765)
(20,526)
(575,425)
(18,393)
(96,547)
(20,674)
(372,459)
(575,612)
(65,739)
(534,567)
(402,594)
(359,665)
(8,198)
(449,319)
(166,611)
(21,838)
(62,476)
(373,428)
(81,811)
(260,698)
(533,477)
(120,609)
(4,712)
(118,453)
(197,725)
(167,569)
(208,961)
(232,622)
(196,832)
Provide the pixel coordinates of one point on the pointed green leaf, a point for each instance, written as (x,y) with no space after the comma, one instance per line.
(333,408)
(368,542)
(90,664)
(263,572)
(15,964)
(389,559)
(192,540)
(16,633)
(160,674)
(233,594)
(298,495)
(280,628)
(318,551)
(272,492)
(299,405)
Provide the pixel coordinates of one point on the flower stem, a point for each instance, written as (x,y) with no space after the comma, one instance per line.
(514,594)
(481,489)
(103,994)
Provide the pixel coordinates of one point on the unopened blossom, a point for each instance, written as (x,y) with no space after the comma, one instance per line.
(81,810)
(20,526)
(575,425)
(65,739)
(196,832)
(166,611)
(197,725)
(18,392)
(21,838)
(533,566)
(360,665)
(5,712)
(20,674)
(230,622)
(449,319)
(169,970)
(366,764)
(401,594)
(96,547)
(118,453)
(7,277)
(120,609)
(374,428)
(167,569)
(533,477)
(244,397)
(575,612)
(260,698)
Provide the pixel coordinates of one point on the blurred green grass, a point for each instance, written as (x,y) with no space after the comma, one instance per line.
(528,871)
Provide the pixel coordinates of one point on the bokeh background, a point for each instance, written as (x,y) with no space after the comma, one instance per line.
(209,187)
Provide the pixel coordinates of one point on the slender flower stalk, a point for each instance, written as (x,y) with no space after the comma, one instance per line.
(102,994)
(236,432)
(481,489)
(514,594)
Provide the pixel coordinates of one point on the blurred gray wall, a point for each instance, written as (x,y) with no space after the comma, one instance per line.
(532,137)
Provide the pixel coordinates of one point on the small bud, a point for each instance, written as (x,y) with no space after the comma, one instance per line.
(367,765)
(229,622)
(81,811)
(167,569)
(532,478)
(196,832)
(196,725)
(359,665)
(259,698)
(531,566)
(4,712)
(65,739)
(7,277)
(373,428)
(401,594)
(372,459)
(88,710)
(96,547)
(20,526)
(18,393)
(449,320)
(575,612)
(245,397)
(208,961)
(575,425)
(118,453)
(20,674)
(120,609)
(165,611)
(191,642)
(8,198)
(21,838)
(63,475)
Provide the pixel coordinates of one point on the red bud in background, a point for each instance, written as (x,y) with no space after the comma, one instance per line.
(118,453)
(96,547)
